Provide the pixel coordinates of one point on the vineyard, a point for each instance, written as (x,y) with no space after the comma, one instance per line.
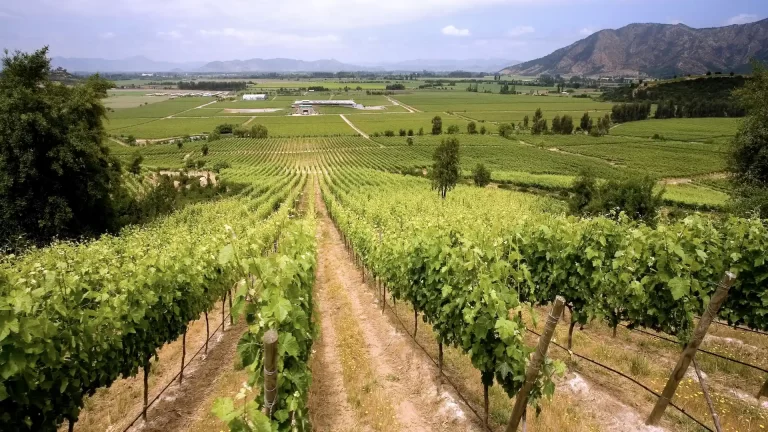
(326,285)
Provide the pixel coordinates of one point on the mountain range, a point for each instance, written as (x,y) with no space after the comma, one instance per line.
(656,50)
(143,64)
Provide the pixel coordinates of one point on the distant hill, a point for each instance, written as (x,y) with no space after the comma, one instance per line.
(447,65)
(714,88)
(143,64)
(279,65)
(131,64)
(656,50)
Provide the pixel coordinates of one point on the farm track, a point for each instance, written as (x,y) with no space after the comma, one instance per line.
(408,381)
(410,109)
(352,125)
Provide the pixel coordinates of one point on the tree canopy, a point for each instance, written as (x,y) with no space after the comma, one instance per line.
(446,169)
(57,178)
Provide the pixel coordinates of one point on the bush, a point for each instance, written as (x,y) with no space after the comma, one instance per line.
(634,197)
(453,129)
(421,131)
(481,175)
(472,128)
(376,135)
(389,133)
(204,149)
(214,136)
(409,141)
(131,140)
(259,131)
(483,130)
(402,132)
(437,125)
(506,130)
(179,144)
(200,163)
(225,128)
(220,165)
(135,167)
(410,132)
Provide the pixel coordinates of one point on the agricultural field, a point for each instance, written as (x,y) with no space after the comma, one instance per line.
(323,219)
(131,98)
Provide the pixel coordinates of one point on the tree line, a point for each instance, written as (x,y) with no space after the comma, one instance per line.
(212,85)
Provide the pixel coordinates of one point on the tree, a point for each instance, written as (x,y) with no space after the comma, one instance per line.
(471,128)
(410,132)
(556,124)
(131,140)
(506,130)
(584,124)
(135,167)
(259,131)
(241,132)
(445,169)
(483,130)
(453,129)
(214,136)
(403,132)
(537,116)
(56,175)
(749,149)
(421,131)
(409,141)
(179,144)
(437,125)
(634,196)
(204,149)
(525,122)
(566,125)
(389,133)
(481,175)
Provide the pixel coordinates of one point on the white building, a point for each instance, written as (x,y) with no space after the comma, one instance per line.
(254,97)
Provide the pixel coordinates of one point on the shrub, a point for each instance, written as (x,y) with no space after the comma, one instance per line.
(421,131)
(389,133)
(453,129)
(410,132)
(437,125)
(402,132)
(481,175)
(220,165)
(409,141)
(225,128)
(135,167)
(634,197)
(483,130)
(204,149)
(472,128)
(259,131)
(506,130)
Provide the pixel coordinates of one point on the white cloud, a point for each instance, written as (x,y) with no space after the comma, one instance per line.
(742,19)
(107,35)
(267,38)
(586,31)
(451,30)
(520,30)
(173,34)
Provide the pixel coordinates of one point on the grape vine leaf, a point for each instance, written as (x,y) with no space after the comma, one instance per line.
(679,287)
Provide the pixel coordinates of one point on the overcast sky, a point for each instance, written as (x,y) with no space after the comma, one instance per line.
(347,30)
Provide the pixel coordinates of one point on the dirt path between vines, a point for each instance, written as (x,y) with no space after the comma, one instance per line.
(407,379)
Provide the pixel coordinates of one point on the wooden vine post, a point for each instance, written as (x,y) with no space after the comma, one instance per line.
(222,312)
(690,350)
(763,391)
(207,332)
(521,401)
(231,317)
(270,372)
(183,355)
(715,417)
(440,355)
(146,389)
(415,322)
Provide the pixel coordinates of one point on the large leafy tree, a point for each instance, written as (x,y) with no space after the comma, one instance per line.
(56,176)
(749,153)
(446,169)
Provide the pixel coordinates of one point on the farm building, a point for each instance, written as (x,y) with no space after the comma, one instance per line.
(254,97)
(306,107)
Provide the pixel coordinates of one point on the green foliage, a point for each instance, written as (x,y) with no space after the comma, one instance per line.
(259,131)
(471,128)
(204,149)
(225,128)
(57,178)
(389,133)
(481,175)
(135,167)
(421,131)
(446,168)
(437,125)
(749,150)
(453,129)
(635,197)
(584,124)
(628,112)
(220,165)
(410,132)
(402,132)
(78,316)
(506,130)
(483,130)
(275,292)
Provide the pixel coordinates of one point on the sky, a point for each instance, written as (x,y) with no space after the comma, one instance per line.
(352,31)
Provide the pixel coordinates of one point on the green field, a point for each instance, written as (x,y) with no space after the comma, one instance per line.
(173,127)
(699,129)
(161,109)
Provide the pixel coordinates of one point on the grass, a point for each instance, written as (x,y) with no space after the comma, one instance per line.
(161,109)
(173,127)
(371,123)
(697,129)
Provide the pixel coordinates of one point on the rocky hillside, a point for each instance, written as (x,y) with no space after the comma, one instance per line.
(656,50)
